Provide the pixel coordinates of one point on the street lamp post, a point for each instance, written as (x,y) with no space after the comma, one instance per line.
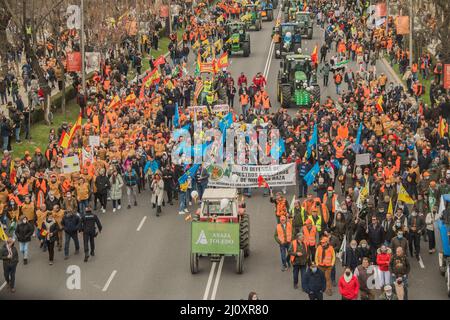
(83,53)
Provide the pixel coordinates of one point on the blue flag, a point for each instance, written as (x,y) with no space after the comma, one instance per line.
(336,164)
(152,165)
(177,133)
(358,135)
(312,142)
(183,180)
(277,150)
(226,122)
(176,117)
(311,175)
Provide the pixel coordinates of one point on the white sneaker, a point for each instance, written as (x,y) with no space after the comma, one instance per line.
(114,210)
(103,210)
(186,210)
(190,203)
(181,212)
(118,207)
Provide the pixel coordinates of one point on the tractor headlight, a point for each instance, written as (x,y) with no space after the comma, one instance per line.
(308,89)
(241,31)
(299,50)
(311,88)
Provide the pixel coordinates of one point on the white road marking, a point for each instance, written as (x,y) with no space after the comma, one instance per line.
(3,285)
(271,50)
(111,277)
(208,284)
(142,223)
(421,263)
(216,282)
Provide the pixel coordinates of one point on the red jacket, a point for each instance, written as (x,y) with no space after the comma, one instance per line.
(242,79)
(349,290)
(383,261)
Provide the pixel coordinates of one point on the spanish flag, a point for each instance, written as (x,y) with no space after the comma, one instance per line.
(205,42)
(404,196)
(222,62)
(131,98)
(114,102)
(153,77)
(379,104)
(314,55)
(443,127)
(66,138)
(262,182)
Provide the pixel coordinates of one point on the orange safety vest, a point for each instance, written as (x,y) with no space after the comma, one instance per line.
(244,99)
(310,235)
(23,189)
(294,249)
(414,68)
(342,132)
(333,201)
(266,101)
(325,259)
(284,236)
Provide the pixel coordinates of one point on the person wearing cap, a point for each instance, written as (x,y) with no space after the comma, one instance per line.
(89,222)
(314,282)
(283,236)
(298,252)
(388,294)
(23,232)
(10,258)
(325,259)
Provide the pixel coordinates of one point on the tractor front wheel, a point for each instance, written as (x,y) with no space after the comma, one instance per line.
(194,263)
(286,96)
(246,48)
(277,50)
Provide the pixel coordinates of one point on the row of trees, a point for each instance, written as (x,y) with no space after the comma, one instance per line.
(29,24)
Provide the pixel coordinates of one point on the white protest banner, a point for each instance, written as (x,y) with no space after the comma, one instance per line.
(87,156)
(214,109)
(71,164)
(275,175)
(94,141)
(362,159)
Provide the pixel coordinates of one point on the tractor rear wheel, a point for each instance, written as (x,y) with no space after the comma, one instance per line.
(240,262)
(246,48)
(244,235)
(194,263)
(285,96)
(278,91)
(316,94)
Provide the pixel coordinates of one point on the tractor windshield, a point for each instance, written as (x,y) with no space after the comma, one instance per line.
(302,18)
(299,65)
(287,28)
(213,208)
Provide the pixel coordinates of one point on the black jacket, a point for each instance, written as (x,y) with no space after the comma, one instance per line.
(24,231)
(71,222)
(88,222)
(351,258)
(375,235)
(102,183)
(314,281)
(15,255)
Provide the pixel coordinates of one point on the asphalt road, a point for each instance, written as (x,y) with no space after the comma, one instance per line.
(140,256)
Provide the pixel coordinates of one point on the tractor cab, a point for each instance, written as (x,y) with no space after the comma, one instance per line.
(252,16)
(289,38)
(305,22)
(219,205)
(297,68)
(237,38)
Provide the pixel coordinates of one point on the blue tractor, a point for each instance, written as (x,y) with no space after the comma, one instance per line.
(442,229)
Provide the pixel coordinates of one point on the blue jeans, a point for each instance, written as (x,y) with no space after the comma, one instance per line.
(283,252)
(295,270)
(183,200)
(23,247)
(5,142)
(82,206)
(338,89)
(68,236)
(17,132)
(247,191)
(245,110)
(201,189)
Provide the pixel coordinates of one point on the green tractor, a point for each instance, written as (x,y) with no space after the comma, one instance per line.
(267,10)
(220,228)
(252,17)
(289,40)
(288,6)
(297,82)
(237,38)
(305,22)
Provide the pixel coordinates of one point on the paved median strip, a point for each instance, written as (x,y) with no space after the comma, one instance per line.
(210,278)
(111,277)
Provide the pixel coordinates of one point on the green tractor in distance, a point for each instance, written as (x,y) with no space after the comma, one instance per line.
(305,22)
(237,38)
(288,5)
(252,17)
(285,44)
(297,82)
(267,10)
